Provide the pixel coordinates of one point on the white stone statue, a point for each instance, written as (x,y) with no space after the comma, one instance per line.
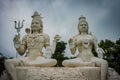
(31,46)
(85,43)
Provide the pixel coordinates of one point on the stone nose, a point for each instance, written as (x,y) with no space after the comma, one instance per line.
(33,25)
(83,26)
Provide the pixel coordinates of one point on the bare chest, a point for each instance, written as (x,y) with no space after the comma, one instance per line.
(35,41)
(84,41)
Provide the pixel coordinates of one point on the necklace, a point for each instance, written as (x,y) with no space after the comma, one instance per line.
(86,43)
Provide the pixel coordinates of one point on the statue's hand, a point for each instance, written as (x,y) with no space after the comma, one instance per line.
(16,41)
(48,52)
(16,38)
(70,41)
(100,52)
(57,38)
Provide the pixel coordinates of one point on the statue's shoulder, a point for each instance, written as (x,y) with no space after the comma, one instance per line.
(94,37)
(25,37)
(44,35)
(74,37)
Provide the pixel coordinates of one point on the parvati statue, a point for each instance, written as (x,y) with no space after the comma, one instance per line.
(85,43)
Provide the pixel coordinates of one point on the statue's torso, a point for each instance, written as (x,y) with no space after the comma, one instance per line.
(84,44)
(35,43)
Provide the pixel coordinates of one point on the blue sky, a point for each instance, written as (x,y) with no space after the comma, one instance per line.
(59,17)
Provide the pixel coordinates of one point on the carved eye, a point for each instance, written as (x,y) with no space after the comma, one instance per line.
(84,24)
(81,25)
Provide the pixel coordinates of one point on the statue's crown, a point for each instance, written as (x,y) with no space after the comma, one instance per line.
(82,18)
(36,14)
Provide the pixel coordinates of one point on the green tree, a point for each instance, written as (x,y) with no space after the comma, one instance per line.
(109,47)
(117,55)
(59,53)
(112,53)
(2,61)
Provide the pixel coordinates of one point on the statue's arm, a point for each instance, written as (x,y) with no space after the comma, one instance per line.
(20,46)
(48,50)
(72,45)
(54,43)
(97,49)
(47,41)
(95,43)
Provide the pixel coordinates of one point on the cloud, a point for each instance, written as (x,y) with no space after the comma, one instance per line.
(11,11)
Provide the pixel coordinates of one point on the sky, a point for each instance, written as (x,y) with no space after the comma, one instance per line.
(59,17)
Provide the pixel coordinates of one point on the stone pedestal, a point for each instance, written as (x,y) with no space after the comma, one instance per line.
(58,73)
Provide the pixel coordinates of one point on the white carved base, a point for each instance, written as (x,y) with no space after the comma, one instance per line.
(58,73)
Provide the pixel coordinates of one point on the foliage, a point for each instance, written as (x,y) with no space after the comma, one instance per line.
(2,66)
(112,53)
(59,53)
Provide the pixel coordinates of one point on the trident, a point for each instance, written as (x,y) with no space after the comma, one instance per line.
(18,28)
